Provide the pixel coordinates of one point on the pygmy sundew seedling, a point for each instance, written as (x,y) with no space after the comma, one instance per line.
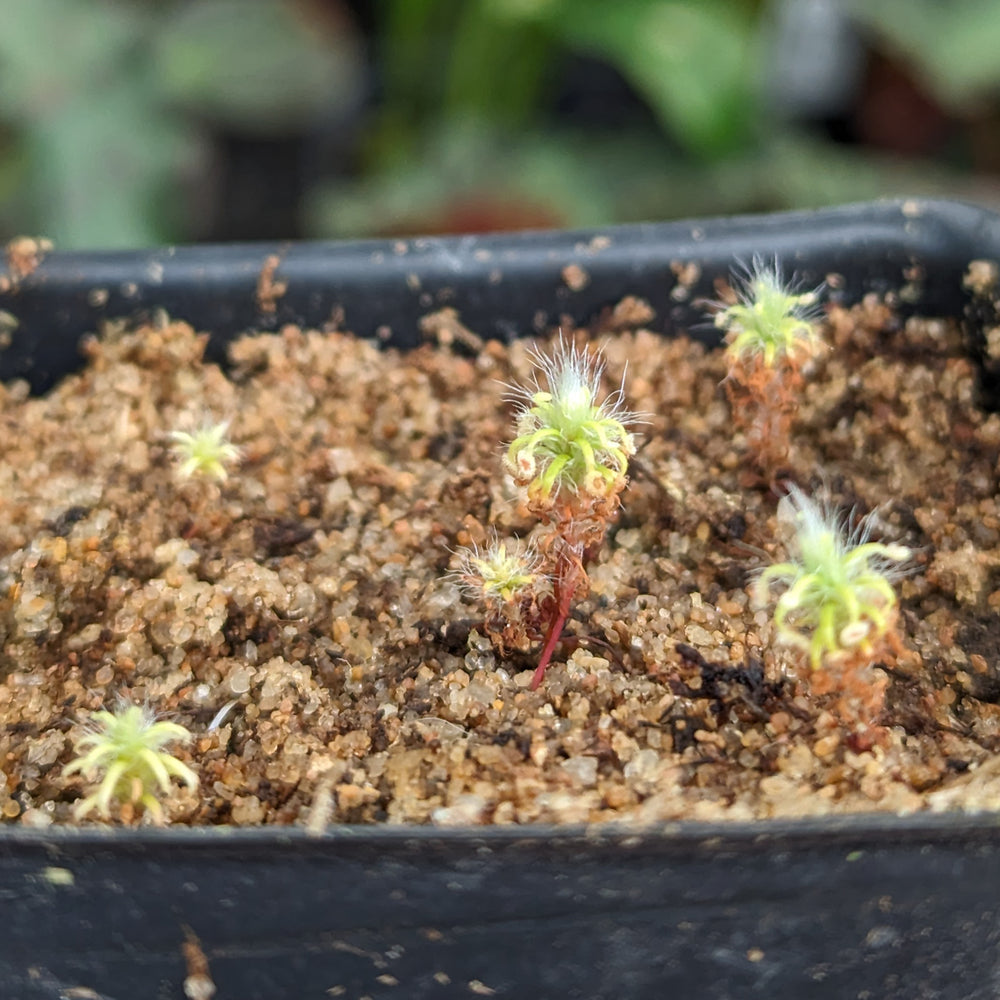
(771,332)
(499,573)
(507,578)
(205,452)
(127,750)
(570,460)
(839,603)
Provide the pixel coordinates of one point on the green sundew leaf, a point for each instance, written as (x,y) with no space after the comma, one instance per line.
(254,64)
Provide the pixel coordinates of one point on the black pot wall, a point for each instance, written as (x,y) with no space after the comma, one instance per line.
(871,907)
(503,285)
(868,906)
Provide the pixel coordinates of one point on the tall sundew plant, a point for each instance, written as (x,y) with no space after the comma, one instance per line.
(569,460)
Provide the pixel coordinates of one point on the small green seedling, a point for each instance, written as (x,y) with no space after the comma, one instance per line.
(126,750)
(771,332)
(769,321)
(500,573)
(839,599)
(507,578)
(205,453)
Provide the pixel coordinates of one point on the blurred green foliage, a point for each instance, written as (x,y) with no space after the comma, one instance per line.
(105,105)
(952,45)
(696,64)
(494,59)
(466,114)
(111,111)
(464,135)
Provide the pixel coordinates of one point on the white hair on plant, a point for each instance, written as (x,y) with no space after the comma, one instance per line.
(572,377)
(502,570)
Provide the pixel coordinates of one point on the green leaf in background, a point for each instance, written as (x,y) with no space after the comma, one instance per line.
(954,44)
(697,64)
(95,147)
(258,65)
(53,50)
(101,167)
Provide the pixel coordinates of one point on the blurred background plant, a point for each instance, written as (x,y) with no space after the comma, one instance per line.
(131,122)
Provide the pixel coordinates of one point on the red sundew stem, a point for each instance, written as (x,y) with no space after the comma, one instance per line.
(565,588)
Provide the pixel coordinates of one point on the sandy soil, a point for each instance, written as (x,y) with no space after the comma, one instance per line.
(299,619)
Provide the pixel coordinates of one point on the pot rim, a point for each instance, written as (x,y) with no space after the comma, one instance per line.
(746,836)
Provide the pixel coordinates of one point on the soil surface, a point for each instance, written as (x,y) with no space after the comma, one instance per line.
(299,619)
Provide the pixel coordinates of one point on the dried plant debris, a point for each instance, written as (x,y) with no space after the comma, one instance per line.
(305,619)
(24,254)
(269,288)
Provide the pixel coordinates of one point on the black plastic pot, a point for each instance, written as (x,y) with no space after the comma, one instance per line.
(876,907)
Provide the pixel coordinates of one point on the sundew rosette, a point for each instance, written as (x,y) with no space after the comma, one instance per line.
(500,572)
(206,452)
(839,599)
(124,752)
(771,322)
(572,447)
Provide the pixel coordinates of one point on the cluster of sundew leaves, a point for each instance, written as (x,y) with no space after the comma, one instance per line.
(769,322)
(126,749)
(205,452)
(499,572)
(569,441)
(839,595)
